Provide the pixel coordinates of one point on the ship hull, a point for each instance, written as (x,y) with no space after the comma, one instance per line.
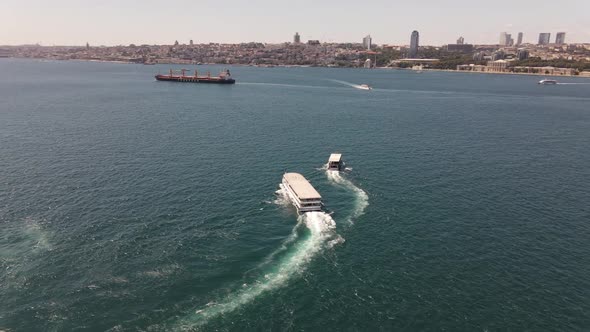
(192,79)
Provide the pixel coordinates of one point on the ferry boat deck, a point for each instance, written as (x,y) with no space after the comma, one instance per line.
(301,193)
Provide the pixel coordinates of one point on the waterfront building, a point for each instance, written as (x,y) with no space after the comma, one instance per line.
(560,38)
(497,66)
(367,42)
(297,38)
(519,39)
(414,44)
(460,41)
(544,38)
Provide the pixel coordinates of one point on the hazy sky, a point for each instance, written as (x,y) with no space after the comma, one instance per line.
(111,22)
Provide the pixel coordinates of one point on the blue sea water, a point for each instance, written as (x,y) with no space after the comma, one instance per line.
(128,204)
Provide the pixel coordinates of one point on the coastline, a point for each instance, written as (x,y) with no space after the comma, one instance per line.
(296,66)
(499,73)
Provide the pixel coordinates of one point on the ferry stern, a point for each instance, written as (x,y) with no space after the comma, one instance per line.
(335,162)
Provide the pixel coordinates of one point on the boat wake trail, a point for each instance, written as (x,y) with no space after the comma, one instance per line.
(361,197)
(577,83)
(286,262)
(285,85)
(356,86)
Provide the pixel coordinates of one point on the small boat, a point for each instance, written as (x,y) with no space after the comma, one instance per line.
(301,193)
(364,87)
(335,162)
(547,82)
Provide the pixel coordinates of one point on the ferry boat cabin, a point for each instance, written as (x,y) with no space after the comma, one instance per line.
(301,193)
(335,162)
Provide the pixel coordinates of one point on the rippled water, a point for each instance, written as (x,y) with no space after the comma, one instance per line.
(130,204)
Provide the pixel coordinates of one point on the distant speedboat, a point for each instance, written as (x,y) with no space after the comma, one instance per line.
(547,82)
(364,87)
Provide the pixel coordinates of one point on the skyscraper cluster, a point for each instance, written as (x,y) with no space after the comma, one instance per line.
(507,40)
(545,38)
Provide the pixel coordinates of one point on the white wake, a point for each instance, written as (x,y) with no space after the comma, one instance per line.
(572,83)
(356,86)
(361,197)
(295,254)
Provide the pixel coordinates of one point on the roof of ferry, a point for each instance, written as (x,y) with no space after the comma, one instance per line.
(302,188)
(335,157)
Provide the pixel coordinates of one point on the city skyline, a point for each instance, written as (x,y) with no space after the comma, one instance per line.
(68,22)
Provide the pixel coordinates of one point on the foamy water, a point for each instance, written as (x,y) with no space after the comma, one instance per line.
(295,254)
(356,86)
(361,198)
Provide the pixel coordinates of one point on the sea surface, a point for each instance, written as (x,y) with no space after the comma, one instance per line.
(128,204)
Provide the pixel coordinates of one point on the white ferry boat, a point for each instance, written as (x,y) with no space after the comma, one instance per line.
(547,82)
(364,87)
(301,193)
(335,162)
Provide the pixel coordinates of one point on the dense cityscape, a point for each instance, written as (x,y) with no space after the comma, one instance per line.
(508,56)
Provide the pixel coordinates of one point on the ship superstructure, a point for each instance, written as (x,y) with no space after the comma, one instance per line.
(301,193)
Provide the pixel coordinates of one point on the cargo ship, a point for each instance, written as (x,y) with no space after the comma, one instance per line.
(223,78)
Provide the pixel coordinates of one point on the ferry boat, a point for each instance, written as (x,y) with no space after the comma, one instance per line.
(547,82)
(301,193)
(335,162)
(364,87)
(223,78)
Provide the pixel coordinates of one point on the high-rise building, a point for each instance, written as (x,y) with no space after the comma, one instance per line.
(367,42)
(522,54)
(191,42)
(87,46)
(460,41)
(544,38)
(560,38)
(509,40)
(498,55)
(297,38)
(414,44)
(504,38)
(519,39)
(478,56)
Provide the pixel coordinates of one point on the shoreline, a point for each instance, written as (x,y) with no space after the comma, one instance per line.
(297,66)
(499,73)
